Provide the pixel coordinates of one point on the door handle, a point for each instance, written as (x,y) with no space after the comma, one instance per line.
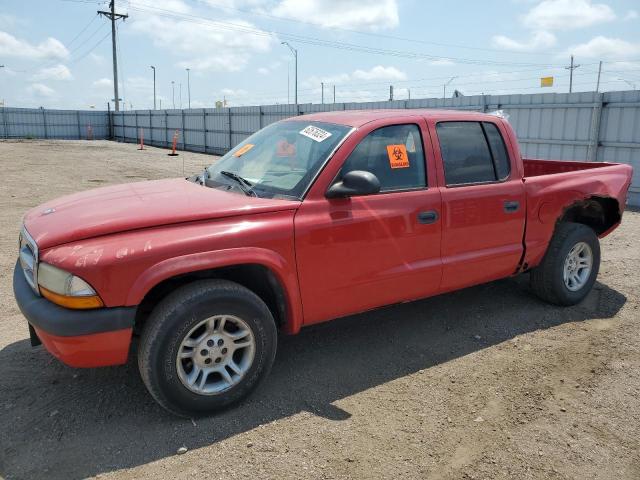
(428,217)
(511,207)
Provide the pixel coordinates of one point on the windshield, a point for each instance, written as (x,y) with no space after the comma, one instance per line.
(279,161)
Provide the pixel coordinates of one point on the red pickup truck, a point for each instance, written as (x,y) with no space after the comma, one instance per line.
(309,219)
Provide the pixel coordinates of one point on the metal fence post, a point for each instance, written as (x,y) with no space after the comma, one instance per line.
(4,122)
(204,128)
(166,128)
(230,132)
(78,119)
(44,123)
(594,134)
(150,128)
(137,131)
(260,114)
(183,139)
(122,125)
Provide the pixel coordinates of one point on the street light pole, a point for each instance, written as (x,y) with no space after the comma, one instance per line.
(444,87)
(154,86)
(189,87)
(173,93)
(295,57)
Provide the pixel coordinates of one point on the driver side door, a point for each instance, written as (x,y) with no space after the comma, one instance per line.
(362,252)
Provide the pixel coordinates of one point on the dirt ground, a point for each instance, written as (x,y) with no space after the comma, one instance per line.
(488,382)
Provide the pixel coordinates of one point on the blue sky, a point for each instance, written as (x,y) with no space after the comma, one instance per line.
(57,53)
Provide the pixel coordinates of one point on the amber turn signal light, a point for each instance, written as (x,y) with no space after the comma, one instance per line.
(76,303)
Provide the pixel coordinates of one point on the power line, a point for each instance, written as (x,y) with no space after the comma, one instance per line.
(145,8)
(371,34)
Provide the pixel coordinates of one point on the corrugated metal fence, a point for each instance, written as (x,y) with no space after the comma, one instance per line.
(577,126)
(44,123)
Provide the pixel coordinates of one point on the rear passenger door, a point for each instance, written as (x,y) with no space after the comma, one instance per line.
(483,203)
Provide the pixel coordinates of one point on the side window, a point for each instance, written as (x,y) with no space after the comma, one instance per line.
(393,154)
(465,153)
(499,151)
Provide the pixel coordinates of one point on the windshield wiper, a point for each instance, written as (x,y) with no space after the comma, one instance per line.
(245,185)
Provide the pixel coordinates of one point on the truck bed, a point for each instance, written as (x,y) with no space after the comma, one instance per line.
(537,168)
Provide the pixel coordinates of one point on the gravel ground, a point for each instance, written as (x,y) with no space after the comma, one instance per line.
(488,382)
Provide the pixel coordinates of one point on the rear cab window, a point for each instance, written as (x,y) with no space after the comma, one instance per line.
(472,152)
(394,154)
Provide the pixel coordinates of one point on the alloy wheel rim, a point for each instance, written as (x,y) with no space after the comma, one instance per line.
(577,266)
(215,355)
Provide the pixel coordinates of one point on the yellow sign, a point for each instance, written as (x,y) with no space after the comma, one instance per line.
(546,82)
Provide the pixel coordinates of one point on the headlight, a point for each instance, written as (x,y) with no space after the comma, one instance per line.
(65,289)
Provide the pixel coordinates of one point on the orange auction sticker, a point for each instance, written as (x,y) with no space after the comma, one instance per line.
(398,157)
(243,150)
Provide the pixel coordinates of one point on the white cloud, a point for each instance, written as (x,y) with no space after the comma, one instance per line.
(203,46)
(567,15)
(379,73)
(11,46)
(263,71)
(631,15)
(41,90)
(353,14)
(57,72)
(103,83)
(539,40)
(233,93)
(605,47)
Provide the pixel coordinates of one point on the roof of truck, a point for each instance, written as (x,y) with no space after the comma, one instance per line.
(357,118)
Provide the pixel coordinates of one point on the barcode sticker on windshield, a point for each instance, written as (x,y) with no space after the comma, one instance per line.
(315,133)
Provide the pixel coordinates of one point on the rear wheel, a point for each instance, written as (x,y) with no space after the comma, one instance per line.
(206,346)
(570,267)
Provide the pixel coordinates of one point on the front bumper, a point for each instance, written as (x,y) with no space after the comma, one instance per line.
(79,338)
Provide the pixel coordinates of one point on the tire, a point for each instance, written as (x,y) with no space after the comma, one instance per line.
(170,330)
(548,280)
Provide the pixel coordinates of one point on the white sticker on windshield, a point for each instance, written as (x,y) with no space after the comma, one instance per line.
(315,133)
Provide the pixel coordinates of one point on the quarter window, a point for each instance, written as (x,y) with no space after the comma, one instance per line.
(393,154)
(472,152)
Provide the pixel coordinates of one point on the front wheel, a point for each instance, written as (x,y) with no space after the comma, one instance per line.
(206,346)
(570,267)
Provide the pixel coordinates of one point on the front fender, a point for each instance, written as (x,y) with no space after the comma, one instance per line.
(194,262)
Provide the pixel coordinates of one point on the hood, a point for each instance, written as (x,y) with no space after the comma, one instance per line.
(138,205)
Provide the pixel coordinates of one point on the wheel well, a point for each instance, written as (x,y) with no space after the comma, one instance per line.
(257,278)
(599,213)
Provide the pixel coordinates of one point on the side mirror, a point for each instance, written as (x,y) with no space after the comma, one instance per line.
(355,182)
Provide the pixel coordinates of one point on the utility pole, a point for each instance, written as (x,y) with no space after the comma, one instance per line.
(322,87)
(154,86)
(113,16)
(189,87)
(180,94)
(444,87)
(409,93)
(571,68)
(599,72)
(295,57)
(288,71)
(391,93)
(173,93)
(334,94)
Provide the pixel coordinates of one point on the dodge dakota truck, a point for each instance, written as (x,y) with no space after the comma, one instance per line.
(312,218)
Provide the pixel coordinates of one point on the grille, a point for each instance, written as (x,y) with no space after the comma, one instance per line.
(29,259)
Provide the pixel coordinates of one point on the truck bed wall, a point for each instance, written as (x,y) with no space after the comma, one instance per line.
(536,167)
